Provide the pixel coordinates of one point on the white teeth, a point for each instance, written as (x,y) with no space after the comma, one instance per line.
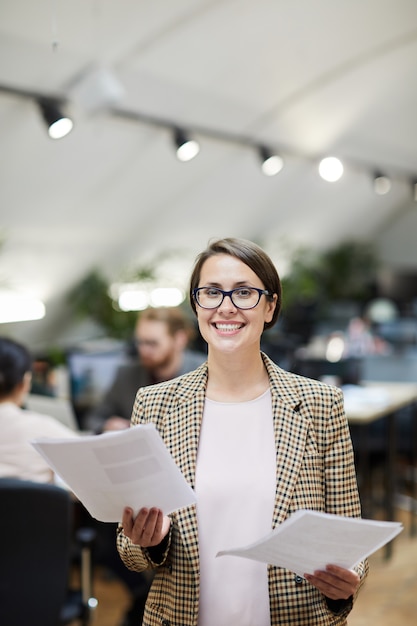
(228,326)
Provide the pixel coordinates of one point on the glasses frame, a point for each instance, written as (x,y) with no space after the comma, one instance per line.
(261,292)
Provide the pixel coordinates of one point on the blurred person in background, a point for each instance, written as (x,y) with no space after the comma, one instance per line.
(18,426)
(161,338)
(361,340)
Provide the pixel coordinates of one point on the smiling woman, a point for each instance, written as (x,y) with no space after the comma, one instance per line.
(256,443)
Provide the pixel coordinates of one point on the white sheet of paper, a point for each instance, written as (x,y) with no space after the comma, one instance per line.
(107,472)
(310,540)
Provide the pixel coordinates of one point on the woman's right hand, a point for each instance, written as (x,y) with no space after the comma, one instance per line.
(148,528)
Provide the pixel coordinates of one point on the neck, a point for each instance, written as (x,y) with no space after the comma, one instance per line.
(230,378)
(17,396)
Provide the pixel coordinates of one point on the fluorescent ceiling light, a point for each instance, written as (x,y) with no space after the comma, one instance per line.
(166,296)
(133,300)
(19,308)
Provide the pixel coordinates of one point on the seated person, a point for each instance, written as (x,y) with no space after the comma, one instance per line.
(161,338)
(361,340)
(18,458)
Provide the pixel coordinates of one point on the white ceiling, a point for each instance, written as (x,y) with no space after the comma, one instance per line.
(312,77)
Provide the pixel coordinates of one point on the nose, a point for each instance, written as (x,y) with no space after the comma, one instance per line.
(227,304)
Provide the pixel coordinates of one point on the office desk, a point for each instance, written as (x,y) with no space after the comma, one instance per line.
(394,396)
(365,405)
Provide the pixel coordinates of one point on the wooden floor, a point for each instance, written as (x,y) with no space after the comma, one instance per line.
(389,595)
(388,598)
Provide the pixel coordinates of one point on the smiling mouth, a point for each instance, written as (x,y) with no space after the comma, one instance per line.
(228,327)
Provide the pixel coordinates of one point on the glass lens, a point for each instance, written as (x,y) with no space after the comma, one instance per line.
(209,297)
(245,297)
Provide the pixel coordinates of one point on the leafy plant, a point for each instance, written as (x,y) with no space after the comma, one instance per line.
(345,272)
(91,299)
(348,271)
(302,284)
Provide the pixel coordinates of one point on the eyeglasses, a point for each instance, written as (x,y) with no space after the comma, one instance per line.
(241,297)
(146,343)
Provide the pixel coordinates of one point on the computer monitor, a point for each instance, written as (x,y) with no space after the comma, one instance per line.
(60,408)
(90,375)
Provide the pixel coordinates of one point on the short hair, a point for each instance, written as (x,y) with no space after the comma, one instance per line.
(253,256)
(15,362)
(174,317)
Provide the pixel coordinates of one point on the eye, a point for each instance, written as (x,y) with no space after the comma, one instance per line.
(244,292)
(211,292)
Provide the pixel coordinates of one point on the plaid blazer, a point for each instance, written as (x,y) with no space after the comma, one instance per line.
(315,470)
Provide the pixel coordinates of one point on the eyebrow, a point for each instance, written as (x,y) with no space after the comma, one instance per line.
(240,283)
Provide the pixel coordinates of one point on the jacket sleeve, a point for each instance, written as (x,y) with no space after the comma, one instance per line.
(133,556)
(342,496)
(139,559)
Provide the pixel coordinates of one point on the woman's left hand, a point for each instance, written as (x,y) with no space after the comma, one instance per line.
(335,582)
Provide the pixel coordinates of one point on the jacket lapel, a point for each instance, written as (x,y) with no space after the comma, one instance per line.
(290,429)
(183,422)
(181,434)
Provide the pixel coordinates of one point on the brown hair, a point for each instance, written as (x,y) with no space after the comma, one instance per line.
(249,253)
(174,317)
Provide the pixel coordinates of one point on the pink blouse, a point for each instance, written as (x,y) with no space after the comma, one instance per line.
(235,488)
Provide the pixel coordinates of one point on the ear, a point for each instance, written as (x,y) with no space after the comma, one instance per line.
(270,308)
(27,382)
(22,389)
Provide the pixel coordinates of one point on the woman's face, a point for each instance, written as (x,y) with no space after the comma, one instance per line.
(228,328)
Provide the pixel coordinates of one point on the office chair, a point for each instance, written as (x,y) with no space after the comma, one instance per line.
(36,548)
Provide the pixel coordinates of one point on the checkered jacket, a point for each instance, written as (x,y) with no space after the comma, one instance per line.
(315,470)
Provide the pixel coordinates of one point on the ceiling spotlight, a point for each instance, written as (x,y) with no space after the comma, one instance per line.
(331,169)
(58,124)
(271,163)
(187,148)
(382,184)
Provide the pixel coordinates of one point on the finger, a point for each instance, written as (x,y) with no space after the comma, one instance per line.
(158,526)
(346,580)
(330,585)
(347,575)
(127,521)
(138,526)
(166,525)
(142,518)
(149,527)
(326,589)
(162,526)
